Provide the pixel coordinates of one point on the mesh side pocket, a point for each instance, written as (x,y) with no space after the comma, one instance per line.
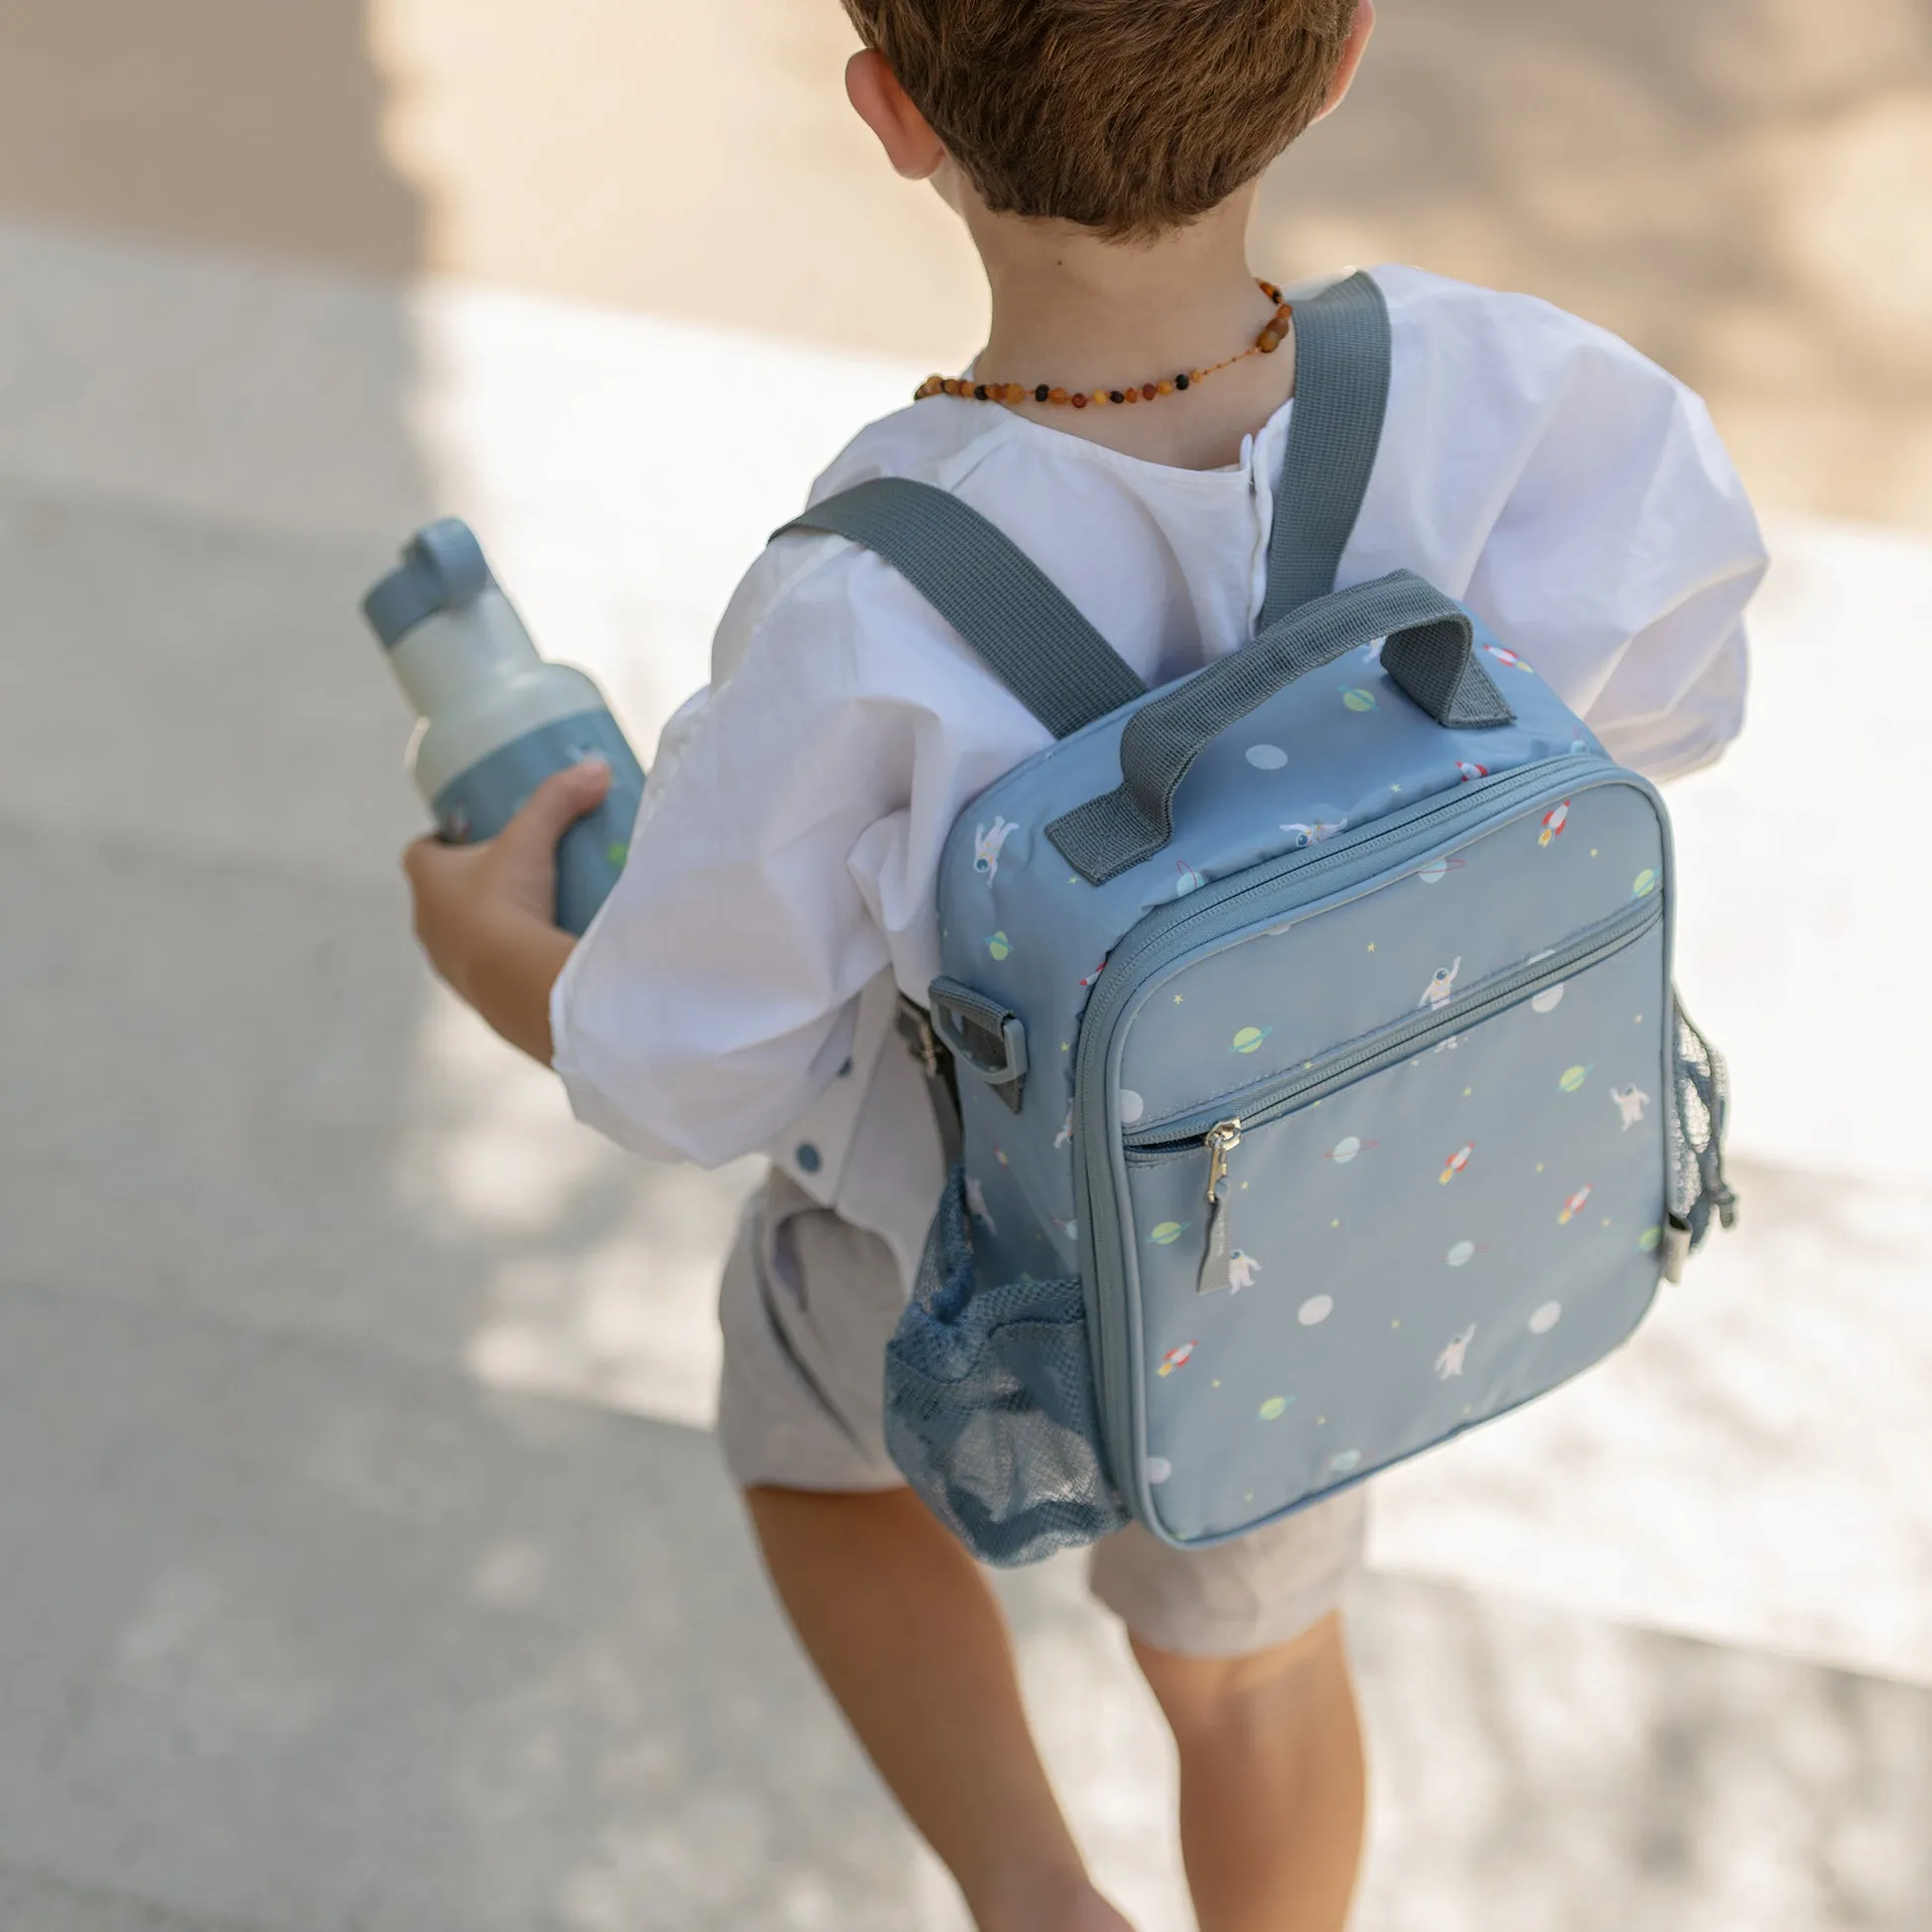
(1700,1110)
(990,1411)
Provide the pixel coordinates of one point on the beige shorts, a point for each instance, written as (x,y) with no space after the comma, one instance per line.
(807,1306)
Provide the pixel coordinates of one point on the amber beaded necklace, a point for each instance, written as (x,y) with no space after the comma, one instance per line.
(1265,344)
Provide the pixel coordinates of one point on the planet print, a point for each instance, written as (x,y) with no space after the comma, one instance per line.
(1167,1233)
(1159,1469)
(1546,1318)
(1190,879)
(1462,1254)
(1648,1239)
(1548,1000)
(1274,1408)
(1644,884)
(1356,699)
(1438,870)
(1249,1039)
(1344,1460)
(1316,1311)
(1132,1106)
(1267,758)
(1000,946)
(1347,1149)
(1572,1077)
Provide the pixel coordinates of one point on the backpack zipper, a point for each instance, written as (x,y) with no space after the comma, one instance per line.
(1220,1141)
(1375,1055)
(1389,1047)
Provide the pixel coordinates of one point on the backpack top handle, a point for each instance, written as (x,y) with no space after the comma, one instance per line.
(1430,655)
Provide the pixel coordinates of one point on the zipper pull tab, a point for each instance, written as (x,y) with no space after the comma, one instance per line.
(1221,1141)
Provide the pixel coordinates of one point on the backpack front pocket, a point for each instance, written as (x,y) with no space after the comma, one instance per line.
(990,1411)
(1412,1235)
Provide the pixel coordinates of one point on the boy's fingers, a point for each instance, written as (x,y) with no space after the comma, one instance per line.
(559,802)
(418,852)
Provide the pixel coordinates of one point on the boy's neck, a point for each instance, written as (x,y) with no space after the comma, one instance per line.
(1077,312)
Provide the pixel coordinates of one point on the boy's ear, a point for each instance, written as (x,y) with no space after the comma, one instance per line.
(1359,30)
(886,108)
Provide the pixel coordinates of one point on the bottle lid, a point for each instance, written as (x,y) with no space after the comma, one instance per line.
(441,569)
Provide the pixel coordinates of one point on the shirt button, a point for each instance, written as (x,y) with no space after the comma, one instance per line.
(808,1158)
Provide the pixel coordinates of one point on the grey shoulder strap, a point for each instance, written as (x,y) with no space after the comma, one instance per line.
(1021,625)
(1341,392)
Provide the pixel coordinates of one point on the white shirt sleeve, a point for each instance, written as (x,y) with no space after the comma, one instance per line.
(1616,548)
(714,998)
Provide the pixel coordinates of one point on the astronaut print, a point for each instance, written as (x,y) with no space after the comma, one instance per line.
(988,843)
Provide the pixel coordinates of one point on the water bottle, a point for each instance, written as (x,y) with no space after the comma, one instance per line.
(494,719)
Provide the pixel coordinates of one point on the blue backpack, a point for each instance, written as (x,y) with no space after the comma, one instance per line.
(1321,1088)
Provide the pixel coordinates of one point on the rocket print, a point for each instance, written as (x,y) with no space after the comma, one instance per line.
(1176,1358)
(1630,1103)
(1436,995)
(1554,820)
(1064,1138)
(1574,1206)
(1242,1270)
(987,846)
(1505,656)
(1457,1161)
(1470,771)
(1450,1361)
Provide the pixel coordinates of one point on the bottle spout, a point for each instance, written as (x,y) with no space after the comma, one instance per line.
(442,570)
(448,628)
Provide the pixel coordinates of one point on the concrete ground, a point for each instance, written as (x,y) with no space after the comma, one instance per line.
(365,1564)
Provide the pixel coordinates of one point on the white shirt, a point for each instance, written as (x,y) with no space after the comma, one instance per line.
(780,880)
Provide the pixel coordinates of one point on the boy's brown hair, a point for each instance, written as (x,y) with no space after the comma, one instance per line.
(1127,116)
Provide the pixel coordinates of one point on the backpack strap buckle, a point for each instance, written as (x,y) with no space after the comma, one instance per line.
(984,1037)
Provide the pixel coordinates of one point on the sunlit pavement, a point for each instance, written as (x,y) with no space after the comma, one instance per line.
(367,1561)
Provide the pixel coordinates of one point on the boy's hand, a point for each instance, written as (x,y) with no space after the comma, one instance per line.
(483,913)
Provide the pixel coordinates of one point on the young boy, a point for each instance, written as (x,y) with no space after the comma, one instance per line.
(737,991)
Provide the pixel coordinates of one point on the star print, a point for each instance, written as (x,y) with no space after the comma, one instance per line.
(1466,1091)
(1593,852)
(1606,1220)
(1395,787)
(1371,945)
(1064,1047)
(1177,998)
(1217,1385)
(1639,1020)
(1332,1224)
(1539,1167)
(1396,1324)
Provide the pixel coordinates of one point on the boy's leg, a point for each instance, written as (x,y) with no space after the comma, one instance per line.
(1272,1801)
(1242,1645)
(910,1642)
(896,1616)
